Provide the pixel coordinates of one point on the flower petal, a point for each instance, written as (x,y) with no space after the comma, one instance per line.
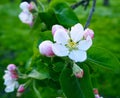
(26,17)
(24,6)
(78,56)
(77,32)
(60,50)
(85,44)
(11,87)
(61,37)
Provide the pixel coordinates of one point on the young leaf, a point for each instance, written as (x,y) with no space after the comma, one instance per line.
(70,84)
(64,14)
(103,58)
(38,75)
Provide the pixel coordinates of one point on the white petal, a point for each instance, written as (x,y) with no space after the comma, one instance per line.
(60,50)
(24,6)
(61,36)
(77,32)
(85,44)
(78,56)
(10,88)
(26,17)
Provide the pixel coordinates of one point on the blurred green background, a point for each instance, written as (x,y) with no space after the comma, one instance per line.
(16,41)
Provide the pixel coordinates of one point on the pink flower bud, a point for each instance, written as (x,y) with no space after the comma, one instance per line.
(32,6)
(95,90)
(57,27)
(88,32)
(11,67)
(79,74)
(45,48)
(21,88)
(77,71)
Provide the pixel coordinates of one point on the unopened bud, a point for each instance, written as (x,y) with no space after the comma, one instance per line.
(20,90)
(88,32)
(32,6)
(56,27)
(77,71)
(95,90)
(45,48)
(11,67)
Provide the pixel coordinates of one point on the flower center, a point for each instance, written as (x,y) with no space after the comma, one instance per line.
(71,44)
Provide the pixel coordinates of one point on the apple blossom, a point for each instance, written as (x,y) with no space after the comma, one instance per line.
(88,32)
(77,71)
(10,78)
(26,15)
(45,48)
(72,43)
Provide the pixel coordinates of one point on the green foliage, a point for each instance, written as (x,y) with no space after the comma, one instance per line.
(100,57)
(70,83)
(64,14)
(85,82)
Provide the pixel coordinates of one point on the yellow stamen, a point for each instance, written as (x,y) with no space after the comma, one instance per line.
(71,44)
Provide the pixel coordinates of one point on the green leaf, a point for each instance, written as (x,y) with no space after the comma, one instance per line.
(64,14)
(58,67)
(38,75)
(48,18)
(70,84)
(102,58)
(86,84)
(37,92)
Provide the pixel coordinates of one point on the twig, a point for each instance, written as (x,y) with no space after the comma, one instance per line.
(90,14)
(78,4)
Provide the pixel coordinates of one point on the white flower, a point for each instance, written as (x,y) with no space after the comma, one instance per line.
(45,48)
(10,78)
(72,44)
(26,17)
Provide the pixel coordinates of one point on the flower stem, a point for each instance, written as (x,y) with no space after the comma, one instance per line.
(90,14)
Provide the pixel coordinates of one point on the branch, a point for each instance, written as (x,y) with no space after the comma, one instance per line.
(90,14)
(78,4)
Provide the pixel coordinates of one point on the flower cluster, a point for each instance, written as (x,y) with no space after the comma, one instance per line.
(10,78)
(26,15)
(73,43)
